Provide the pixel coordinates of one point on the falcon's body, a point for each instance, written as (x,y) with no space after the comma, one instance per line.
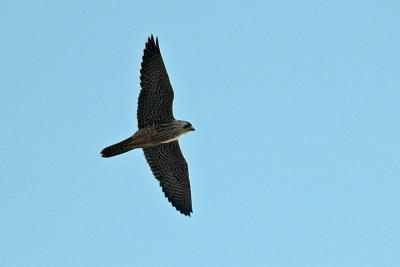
(159,131)
(149,136)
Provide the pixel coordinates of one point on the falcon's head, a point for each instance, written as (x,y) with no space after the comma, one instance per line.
(186,126)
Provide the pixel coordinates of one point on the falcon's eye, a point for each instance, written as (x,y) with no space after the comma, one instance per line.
(187,126)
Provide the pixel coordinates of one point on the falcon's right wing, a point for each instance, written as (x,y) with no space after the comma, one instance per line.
(156,95)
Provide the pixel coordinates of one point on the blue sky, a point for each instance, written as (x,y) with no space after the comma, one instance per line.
(296,156)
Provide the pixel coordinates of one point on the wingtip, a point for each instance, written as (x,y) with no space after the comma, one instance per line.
(151,38)
(185,212)
(188,214)
(152,41)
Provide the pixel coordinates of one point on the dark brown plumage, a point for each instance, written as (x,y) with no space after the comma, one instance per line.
(171,170)
(156,96)
(158,131)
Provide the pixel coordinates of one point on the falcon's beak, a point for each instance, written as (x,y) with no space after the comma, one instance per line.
(192,129)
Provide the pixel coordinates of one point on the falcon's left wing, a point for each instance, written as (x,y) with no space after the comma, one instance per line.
(170,168)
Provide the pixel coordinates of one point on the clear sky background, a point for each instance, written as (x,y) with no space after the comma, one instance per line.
(296,156)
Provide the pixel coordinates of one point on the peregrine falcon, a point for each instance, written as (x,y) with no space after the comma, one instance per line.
(159,131)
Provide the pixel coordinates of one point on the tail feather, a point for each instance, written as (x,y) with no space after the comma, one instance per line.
(118,148)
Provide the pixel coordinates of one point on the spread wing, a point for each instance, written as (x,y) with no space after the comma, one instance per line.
(156,96)
(171,170)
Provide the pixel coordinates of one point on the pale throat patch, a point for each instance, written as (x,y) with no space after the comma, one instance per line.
(173,139)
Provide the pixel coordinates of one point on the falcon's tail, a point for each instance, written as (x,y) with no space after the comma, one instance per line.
(118,148)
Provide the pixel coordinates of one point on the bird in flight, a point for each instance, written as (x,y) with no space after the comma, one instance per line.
(159,131)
